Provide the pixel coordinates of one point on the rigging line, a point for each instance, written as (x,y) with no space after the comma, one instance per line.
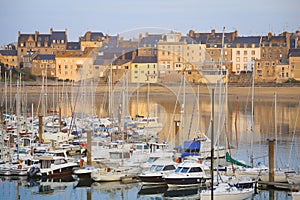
(192,116)
(175,107)
(294,132)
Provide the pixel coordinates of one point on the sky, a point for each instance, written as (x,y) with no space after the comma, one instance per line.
(248,17)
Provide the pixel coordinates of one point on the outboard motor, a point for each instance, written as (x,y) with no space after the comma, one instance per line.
(33,171)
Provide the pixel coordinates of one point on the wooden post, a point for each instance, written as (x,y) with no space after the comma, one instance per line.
(40,129)
(271,160)
(89,147)
(2,112)
(60,125)
(177,124)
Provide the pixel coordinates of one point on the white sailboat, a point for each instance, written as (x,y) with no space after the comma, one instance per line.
(224,191)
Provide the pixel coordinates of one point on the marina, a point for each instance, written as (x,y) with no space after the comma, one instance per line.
(109,157)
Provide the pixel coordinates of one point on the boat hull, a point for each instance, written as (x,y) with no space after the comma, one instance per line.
(152,180)
(184,181)
(234,195)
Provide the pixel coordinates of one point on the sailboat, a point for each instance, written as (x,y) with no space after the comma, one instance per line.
(225,191)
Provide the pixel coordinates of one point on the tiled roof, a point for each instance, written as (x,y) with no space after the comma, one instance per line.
(294,52)
(246,40)
(58,35)
(9,52)
(145,59)
(73,46)
(189,40)
(44,57)
(150,41)
(24,37)
(99,60)
(96,35)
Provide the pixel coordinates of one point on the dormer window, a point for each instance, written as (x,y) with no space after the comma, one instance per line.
(53,41)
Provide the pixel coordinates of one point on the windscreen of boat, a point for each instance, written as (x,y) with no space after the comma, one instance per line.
(159,168)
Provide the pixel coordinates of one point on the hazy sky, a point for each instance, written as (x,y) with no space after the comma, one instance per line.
(249,17)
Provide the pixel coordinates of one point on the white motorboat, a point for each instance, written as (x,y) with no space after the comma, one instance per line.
(187,173)
(293,178)
(84,173)
(160,168)
(224,191)
(114,174)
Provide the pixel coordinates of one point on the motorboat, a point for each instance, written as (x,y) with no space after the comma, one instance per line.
(106,174)
(84,173)
(51,167)
(154,176)
(187,173)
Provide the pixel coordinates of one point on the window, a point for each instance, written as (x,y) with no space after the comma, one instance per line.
(267,64)
(237,59)
(245,52)
(237,66)
(253,52)
(238,52)
(245,59)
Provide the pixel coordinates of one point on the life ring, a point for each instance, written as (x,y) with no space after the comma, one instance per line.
(19,166)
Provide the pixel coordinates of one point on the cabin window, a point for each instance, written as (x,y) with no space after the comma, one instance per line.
(159,168)
(185,170)
(196,169)
(169,167)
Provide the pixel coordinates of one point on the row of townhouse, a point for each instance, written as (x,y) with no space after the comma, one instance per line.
(156,57)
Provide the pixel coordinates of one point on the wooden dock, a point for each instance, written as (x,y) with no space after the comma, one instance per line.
(276,185)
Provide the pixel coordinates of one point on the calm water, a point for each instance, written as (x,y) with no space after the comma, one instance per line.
(231,123)
(18,189)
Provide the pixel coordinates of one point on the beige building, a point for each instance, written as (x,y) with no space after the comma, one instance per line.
(75,65)
(9,58)
(144,70)
(44,65)
(91,39)
(244,51)
(294,63)
(51,43)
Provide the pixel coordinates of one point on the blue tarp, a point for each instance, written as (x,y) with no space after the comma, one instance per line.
(191,145)
(191,148)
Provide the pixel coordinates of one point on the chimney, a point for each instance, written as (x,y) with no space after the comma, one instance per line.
(191,33)
(234,35)
(19,34)
(51,30)
(133,55)
(269,35)
(123,54)
(288,39)
(296,42)
(36,35)
(146,34)
(197,35)
(88,36)
(213,31)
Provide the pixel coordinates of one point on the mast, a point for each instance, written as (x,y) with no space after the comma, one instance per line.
(212,141)
(275,122)
(252,120)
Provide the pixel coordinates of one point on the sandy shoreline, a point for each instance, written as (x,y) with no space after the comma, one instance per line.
(283,93)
